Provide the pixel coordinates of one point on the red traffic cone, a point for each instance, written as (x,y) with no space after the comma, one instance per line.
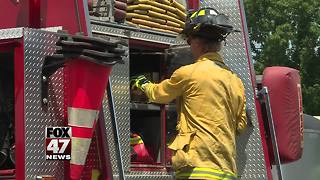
(86,88)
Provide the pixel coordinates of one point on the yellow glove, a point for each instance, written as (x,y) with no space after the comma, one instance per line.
(139,82)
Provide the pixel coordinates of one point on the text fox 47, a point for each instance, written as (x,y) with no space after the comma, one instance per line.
(58,143)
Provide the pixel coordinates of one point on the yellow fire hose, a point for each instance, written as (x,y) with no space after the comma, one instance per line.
(174,15)
(155,15)
(144,7)
(181,14)
(177,30)
(170,6)
(166,2)
(147,27)
(161,15)
(131,23)
(151,25)
(146,23)
(173,24)
(180,10)
(177,5)
(156,4)
(145,17)
(157,29)
(166,17)
(163,30)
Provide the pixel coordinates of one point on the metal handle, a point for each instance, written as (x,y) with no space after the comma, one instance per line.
(263,93)
(115,131)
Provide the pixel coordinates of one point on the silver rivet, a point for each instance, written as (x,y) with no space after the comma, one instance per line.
(44,78)
(45,100)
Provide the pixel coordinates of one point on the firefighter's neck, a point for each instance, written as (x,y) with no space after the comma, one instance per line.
(200,46)
(204,49)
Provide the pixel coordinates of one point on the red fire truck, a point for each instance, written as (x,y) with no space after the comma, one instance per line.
(40,75)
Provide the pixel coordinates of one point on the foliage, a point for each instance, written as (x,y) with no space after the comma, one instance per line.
(312,94)
(287,33)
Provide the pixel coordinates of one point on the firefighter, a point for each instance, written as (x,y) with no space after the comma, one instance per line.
(210,102)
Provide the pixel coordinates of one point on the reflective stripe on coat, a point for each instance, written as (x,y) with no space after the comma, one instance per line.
(204,173)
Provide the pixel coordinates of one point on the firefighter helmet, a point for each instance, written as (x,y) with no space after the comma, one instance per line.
(207,23)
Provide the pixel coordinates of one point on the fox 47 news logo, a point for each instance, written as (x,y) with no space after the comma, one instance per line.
(58,143)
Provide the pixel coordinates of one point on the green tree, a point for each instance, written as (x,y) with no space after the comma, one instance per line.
(287,33)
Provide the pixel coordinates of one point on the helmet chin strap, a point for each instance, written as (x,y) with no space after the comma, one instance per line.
(224,38)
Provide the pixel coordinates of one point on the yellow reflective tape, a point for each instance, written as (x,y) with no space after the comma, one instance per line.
(136,137)
(79,150)
(183,176)
(82,117)
(204,175)
(202,12)
(213,170)
(205,172)
(193,15)
(136,140)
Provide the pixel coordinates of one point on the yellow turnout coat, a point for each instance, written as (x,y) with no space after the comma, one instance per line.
(211,111)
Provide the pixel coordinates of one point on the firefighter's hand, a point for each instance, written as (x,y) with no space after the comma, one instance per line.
(139,82)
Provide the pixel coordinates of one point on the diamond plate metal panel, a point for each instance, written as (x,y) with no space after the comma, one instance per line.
(121,95)
(133,34)
(251,163)
(39,44)
(147,176)
(11,33)
(52,29)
